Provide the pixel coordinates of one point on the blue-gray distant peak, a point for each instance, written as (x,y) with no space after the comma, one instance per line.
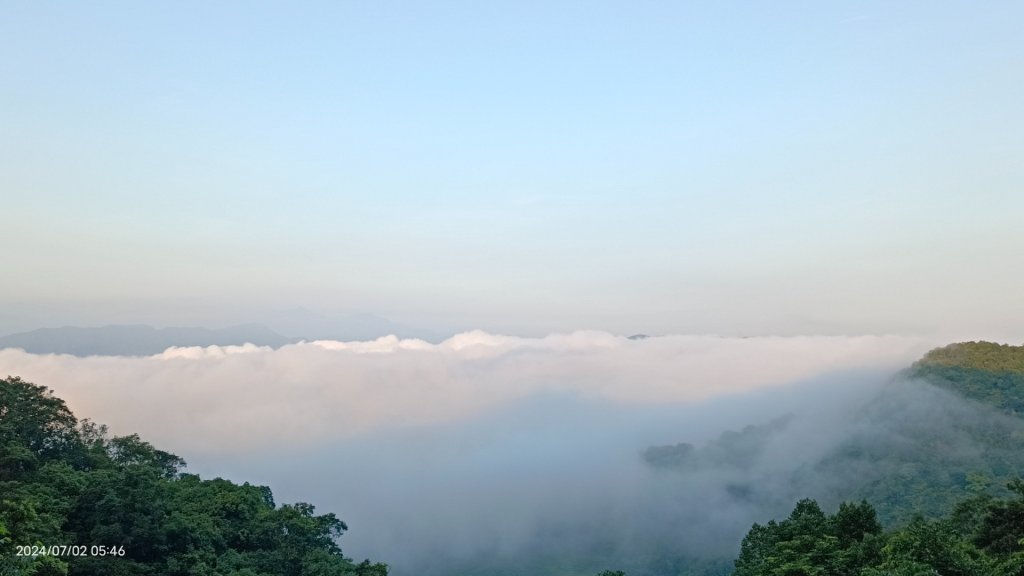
(136,339)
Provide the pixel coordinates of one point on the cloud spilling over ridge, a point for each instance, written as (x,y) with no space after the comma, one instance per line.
(230,399)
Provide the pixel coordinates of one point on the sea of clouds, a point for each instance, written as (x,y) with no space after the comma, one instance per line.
(231,399)
(483,445)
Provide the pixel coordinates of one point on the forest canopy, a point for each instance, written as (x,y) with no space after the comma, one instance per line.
(984,371)
(118,506)
(983,537)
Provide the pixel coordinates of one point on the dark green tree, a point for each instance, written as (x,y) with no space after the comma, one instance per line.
(64,482)
(811,543)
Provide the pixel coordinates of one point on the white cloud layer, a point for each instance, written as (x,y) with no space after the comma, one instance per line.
(233,399)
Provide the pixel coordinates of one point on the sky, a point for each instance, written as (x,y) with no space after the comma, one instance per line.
(517,167)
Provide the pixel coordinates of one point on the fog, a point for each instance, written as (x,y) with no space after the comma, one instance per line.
(560,476)
(490,449)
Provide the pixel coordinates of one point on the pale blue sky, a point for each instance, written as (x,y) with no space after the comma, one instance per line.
(784,167)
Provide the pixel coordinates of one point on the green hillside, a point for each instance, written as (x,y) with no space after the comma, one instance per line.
(984,371)
(952,495)
(75,502)
(982,537)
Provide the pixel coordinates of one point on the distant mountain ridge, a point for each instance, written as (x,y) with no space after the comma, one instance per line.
(275,330)
(310,325)
(136,339)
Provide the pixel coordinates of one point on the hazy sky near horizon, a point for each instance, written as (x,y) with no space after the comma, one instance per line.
(526,167)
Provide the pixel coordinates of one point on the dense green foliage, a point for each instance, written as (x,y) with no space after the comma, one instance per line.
(811,542)
(64,482)
(984,371)
(959,452)
(919,453)
(983,537)
(913,453)
(987,356)
(914,449)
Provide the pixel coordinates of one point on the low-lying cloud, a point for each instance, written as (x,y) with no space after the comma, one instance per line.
(484,450)
(233,399)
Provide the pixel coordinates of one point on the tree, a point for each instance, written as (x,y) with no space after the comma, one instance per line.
(65,482)
(1001,532)
(810,543)
(35,426)
(933,546)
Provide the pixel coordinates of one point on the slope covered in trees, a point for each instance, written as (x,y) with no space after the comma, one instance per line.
(914,449)
(982,537)
(96,505)
(984,371)
(948,428)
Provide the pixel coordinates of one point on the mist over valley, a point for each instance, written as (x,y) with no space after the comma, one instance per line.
(558,455)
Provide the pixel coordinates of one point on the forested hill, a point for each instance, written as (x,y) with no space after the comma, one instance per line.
(982,537)
(979,536)
(984,371)
(948,428)
(916,448)
(100,506)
